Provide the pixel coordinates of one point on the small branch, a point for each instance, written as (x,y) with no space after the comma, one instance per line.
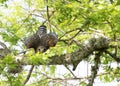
(70,71)
(70,32)
(94,68)
(29,74)
(117,59)
(56,27)
(48,16)
(75,35)
(86,23)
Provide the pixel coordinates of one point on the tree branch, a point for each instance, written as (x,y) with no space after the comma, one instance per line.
(70,71)
(86,23)
(117,59)
(48,16)
(94,44)
(94,68)
(80,29)
(29,74)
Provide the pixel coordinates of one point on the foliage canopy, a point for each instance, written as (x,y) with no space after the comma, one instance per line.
(77,23)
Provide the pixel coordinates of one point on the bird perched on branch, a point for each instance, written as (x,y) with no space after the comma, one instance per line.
(41,41)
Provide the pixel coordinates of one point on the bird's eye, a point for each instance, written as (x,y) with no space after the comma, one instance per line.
(44,50)
(39,50)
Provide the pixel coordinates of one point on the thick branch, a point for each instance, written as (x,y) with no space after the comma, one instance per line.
(85,50)
(93,44)
(77,56)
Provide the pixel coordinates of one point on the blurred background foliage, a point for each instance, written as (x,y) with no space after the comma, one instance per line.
(21,18)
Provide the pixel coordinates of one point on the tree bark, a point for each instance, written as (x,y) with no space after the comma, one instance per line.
(94,44)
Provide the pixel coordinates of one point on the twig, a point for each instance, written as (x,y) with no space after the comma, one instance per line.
(65,41)
(80,30)
(75,35)
(117,59)
(70,71)
(70,32)
(29,74)
(48,16)
(59,29)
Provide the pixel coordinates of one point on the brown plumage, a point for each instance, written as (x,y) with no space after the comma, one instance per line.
(41,41)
